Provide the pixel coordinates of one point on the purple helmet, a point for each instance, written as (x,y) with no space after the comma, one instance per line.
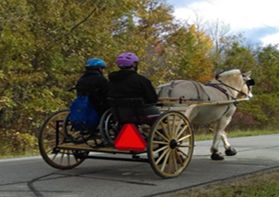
(125,60)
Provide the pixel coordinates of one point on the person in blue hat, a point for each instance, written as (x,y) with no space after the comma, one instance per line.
(93,84)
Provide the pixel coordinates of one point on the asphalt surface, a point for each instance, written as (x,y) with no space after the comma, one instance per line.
(32,177)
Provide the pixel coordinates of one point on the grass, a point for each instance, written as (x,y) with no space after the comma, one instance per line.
(260,185)
(232,134)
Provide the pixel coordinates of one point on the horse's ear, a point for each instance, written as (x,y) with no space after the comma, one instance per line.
(218,74)
(248,74)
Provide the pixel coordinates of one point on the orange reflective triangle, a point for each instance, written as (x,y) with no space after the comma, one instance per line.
(129,138)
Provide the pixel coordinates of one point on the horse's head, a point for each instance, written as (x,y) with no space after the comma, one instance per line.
(249,82)
(239,83)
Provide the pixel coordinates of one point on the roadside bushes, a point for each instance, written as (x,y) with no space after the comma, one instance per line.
(14,143)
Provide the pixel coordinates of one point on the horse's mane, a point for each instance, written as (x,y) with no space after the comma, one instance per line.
(228,72)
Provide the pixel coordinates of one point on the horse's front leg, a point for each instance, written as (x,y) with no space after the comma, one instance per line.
(229,150)
(221,134)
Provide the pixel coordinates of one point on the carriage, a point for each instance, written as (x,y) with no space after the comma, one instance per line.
(165,140)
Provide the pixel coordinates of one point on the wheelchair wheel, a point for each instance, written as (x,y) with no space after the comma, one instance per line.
(171,144)
(50,136)
(109,127)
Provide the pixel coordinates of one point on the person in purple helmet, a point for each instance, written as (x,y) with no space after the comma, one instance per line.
(127,83)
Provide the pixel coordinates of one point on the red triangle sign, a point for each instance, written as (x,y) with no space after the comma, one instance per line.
(129,138)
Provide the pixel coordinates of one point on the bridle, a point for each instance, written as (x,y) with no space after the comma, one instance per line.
(249,82)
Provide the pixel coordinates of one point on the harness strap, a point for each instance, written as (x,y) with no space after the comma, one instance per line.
(171,85)
(200,89)
(214,85)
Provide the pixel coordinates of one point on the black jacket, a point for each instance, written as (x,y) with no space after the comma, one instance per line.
(129,84)
(93,84)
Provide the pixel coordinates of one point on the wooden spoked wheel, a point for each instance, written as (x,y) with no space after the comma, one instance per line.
(171,144)
(72,135)
(50,136)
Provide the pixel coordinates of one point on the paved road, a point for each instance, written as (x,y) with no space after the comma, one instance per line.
(33,177)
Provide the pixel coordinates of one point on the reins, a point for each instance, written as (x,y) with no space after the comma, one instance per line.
(239,91)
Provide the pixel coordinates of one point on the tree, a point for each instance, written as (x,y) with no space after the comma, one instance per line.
(190,54)
(236,56)
(44,45)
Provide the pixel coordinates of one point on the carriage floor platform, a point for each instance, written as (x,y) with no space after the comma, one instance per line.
(73,146)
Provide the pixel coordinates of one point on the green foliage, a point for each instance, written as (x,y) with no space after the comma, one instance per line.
(190,49)
(237,56)
(14,143)
(265,104)
(44,45)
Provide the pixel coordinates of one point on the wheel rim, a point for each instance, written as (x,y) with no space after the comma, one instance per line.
(62,159)
(109,127)
(170,144)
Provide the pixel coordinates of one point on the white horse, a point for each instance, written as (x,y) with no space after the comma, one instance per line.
(227,85)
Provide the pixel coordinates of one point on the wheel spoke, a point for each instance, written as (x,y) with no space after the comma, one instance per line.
(161,156)
(49,141)
(178,127)
(52,126)
(185,145)
(178,149)
(160,149)
(165,160)
(169,125)
(178,156)
(162,136)
(174,160)
(173,126)
(165,129)
(54,156)
(182,130)
(62,156)
(169,163)
(68,156)
(183,138)
(160,142)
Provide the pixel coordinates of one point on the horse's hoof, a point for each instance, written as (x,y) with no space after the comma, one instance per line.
(217,156)
(230,151)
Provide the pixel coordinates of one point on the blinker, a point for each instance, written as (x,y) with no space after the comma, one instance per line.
(250,82)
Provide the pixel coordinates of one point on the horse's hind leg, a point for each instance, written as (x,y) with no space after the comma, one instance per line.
(215,155)
(221,134)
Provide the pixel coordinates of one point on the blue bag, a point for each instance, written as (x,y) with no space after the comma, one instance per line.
(82,114)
